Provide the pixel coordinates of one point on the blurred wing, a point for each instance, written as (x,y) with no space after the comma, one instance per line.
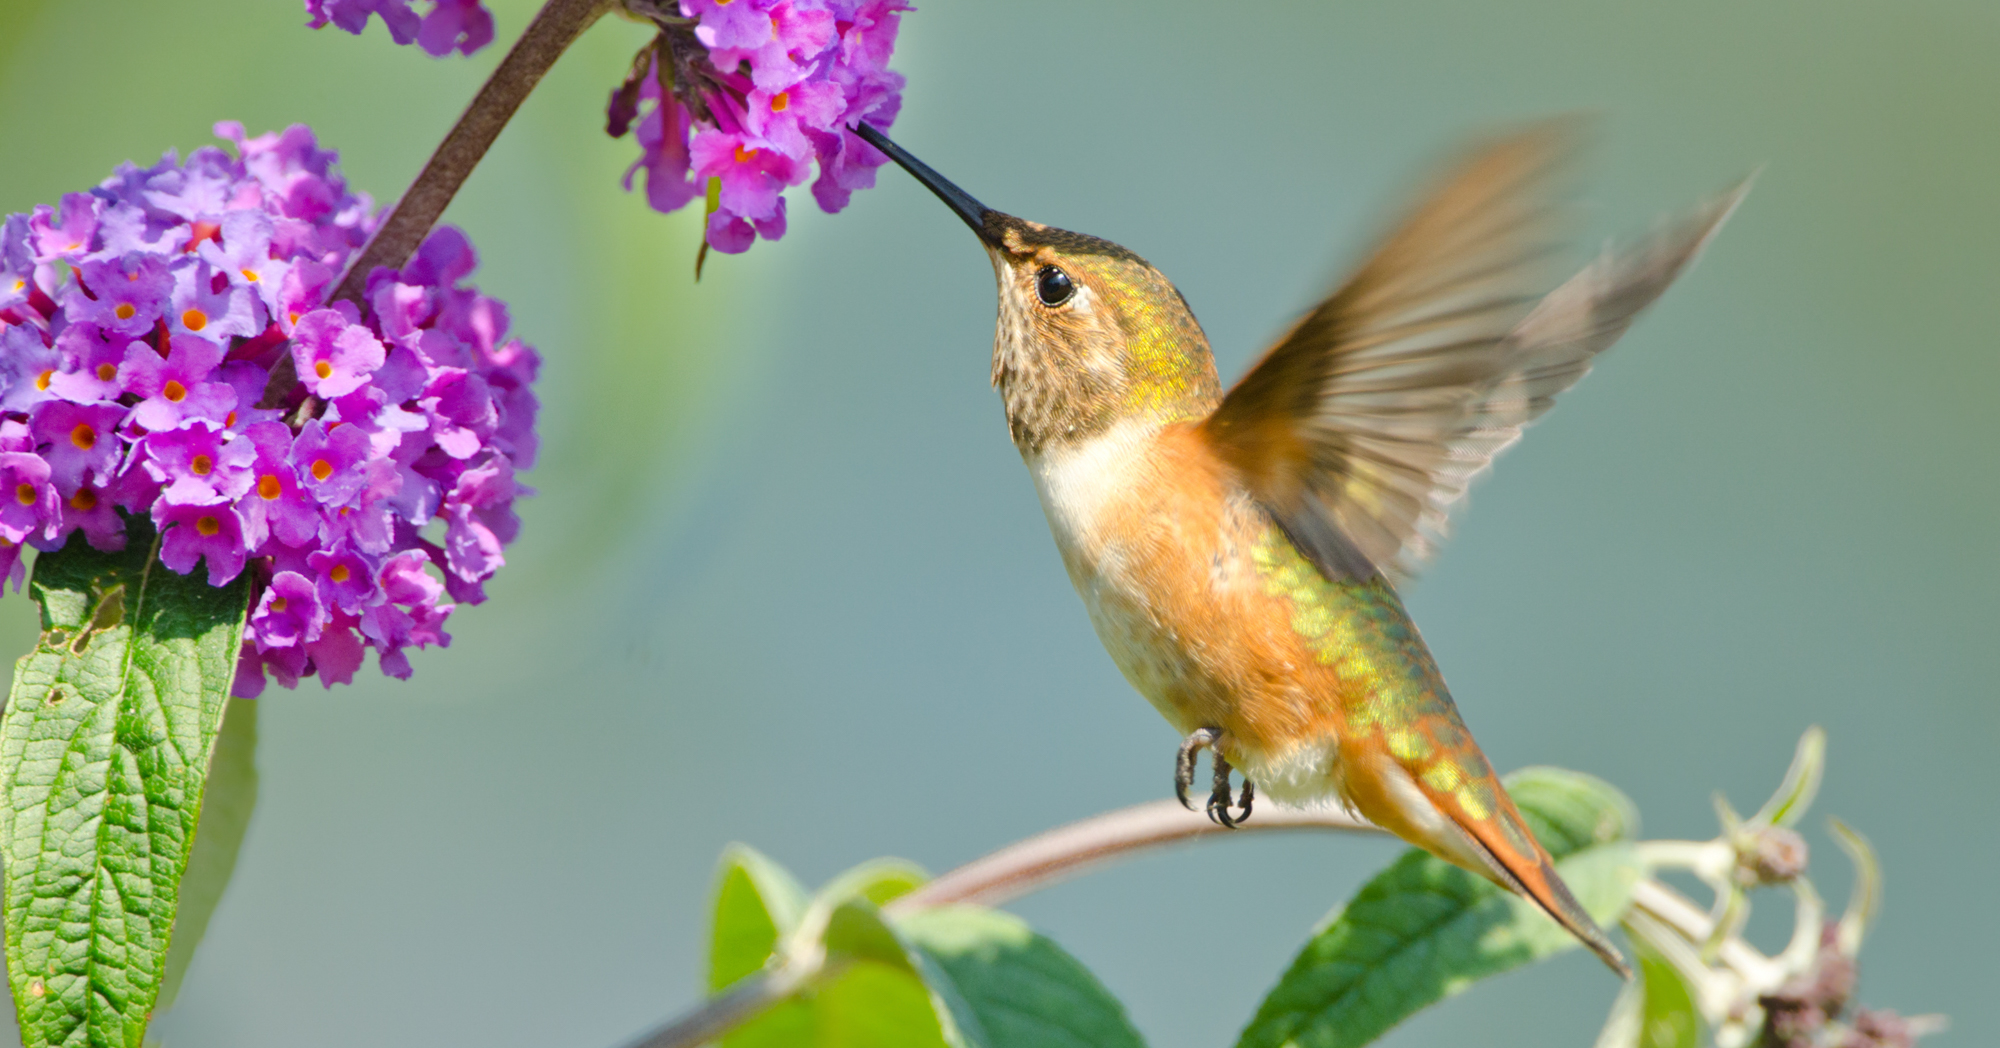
(1362,427)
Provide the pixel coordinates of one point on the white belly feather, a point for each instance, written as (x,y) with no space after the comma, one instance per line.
(1082,486)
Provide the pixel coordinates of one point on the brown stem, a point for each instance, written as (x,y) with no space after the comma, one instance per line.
(1067,851)
(554,28)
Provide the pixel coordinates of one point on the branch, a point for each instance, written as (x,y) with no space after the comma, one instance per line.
(1067,851)
(554,28)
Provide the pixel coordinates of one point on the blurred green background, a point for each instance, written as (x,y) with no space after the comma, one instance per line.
(786,581)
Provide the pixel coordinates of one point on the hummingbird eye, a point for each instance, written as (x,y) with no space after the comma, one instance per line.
(1053,286)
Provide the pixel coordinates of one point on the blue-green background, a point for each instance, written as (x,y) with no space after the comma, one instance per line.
(786,581)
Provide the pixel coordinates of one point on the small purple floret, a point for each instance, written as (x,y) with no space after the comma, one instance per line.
(464,26)
(190,533)
(333,357)
(289,614)
(80,442)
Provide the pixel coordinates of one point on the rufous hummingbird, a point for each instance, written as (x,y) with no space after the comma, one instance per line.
(1238,551)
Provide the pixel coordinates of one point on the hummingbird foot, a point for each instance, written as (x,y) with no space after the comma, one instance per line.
(1219,797)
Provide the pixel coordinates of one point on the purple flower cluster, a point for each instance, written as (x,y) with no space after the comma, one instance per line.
(740,97)
(139,327)
(464,26)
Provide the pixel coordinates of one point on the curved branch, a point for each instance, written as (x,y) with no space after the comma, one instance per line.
(555,27)
(1067,851)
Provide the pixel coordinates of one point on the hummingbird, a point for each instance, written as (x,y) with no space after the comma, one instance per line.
(1239,552)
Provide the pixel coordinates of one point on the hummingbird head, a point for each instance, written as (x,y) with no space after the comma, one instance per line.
(1089,335)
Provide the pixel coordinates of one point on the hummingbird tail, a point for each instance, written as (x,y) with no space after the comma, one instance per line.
(1530,873)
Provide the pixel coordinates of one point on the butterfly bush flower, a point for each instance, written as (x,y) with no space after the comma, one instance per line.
(464,26)
(738,100)
(140,324)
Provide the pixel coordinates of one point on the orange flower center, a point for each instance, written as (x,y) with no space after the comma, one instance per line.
(322,469)
(201,465)
(249,274)
(174,391)
(269,487)
(194,320)
(106,372)
(781,101)
(323,369)
(743,155)
(277,603)
(26,494)
(339,573)
(125,311)
(207,525)
(84,499)
(83,436)
(42,380)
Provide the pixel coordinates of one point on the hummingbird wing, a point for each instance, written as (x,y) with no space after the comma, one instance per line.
(1361,429)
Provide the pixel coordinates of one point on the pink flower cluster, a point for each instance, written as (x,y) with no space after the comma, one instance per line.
(744,102)
(139,327)
(464,26)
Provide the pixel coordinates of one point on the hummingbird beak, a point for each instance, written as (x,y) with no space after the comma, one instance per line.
(972,211)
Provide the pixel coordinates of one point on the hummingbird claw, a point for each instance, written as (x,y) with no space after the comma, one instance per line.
(1184,763)
(1220,799)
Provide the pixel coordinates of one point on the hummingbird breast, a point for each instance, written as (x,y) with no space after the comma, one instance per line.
(1162,545)
(1320,687)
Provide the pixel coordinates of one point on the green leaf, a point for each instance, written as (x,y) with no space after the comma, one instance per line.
(1423,929)
(1008,987)
(1667,1017)
(757,903)
(1569,810)
(871,994)
(226,806)
(104,752)
(961,977)
(878,881)
(871,1005)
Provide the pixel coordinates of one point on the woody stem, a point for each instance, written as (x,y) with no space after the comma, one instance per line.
(1067,851)
(556,26)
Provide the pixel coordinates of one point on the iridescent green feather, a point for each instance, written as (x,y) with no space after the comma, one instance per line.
(1361,630)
